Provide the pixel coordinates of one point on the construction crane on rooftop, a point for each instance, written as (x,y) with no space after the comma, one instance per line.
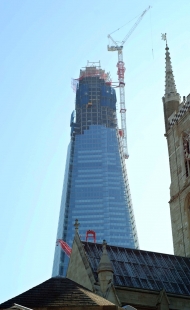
(65,247)
(120,73)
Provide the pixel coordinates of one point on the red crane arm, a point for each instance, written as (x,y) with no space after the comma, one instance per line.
(65,247)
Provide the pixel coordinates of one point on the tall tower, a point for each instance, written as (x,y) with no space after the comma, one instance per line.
(177,125)
(96,188)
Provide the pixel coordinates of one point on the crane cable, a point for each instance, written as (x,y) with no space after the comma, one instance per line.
(150,30)
(151,34)
(125,24)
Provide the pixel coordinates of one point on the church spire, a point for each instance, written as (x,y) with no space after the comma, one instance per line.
(170,87)
(171,99)
(105,269)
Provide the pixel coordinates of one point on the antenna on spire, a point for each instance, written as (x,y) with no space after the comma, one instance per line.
(164,37)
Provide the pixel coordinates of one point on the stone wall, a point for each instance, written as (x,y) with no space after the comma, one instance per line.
(146,299)
(180,186)
(78,271)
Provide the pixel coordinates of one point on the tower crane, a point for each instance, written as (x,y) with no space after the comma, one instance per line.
(120,73)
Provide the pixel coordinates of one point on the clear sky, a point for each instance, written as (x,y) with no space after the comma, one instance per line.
(43,45)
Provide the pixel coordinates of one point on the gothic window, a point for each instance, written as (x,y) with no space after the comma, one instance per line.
(186,150)
(187,211)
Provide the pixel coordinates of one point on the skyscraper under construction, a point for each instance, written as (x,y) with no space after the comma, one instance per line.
(96,189)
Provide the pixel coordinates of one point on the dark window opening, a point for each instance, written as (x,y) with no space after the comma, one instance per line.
(186,168)
(186,150)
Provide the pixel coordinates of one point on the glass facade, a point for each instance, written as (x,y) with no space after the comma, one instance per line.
(96,189)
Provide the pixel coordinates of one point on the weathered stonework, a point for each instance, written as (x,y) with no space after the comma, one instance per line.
(79,268)
(180,187)
(177,124)
(146,299)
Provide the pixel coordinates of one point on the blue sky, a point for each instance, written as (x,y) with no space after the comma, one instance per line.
(43,45)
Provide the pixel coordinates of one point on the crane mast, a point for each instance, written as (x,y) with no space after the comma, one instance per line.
(120,73)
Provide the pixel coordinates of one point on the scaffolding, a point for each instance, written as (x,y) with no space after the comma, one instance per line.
(95,99)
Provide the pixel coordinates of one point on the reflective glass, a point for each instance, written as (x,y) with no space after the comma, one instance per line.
(95,189)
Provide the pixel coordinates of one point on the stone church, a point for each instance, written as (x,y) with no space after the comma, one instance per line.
(124,276)
(177,126)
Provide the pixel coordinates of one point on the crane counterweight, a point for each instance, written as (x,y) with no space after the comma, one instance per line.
(114,48)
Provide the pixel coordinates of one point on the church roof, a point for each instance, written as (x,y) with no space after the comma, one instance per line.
(143,269)
(57,292)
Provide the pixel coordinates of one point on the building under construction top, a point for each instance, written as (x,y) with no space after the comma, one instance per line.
(95,101)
